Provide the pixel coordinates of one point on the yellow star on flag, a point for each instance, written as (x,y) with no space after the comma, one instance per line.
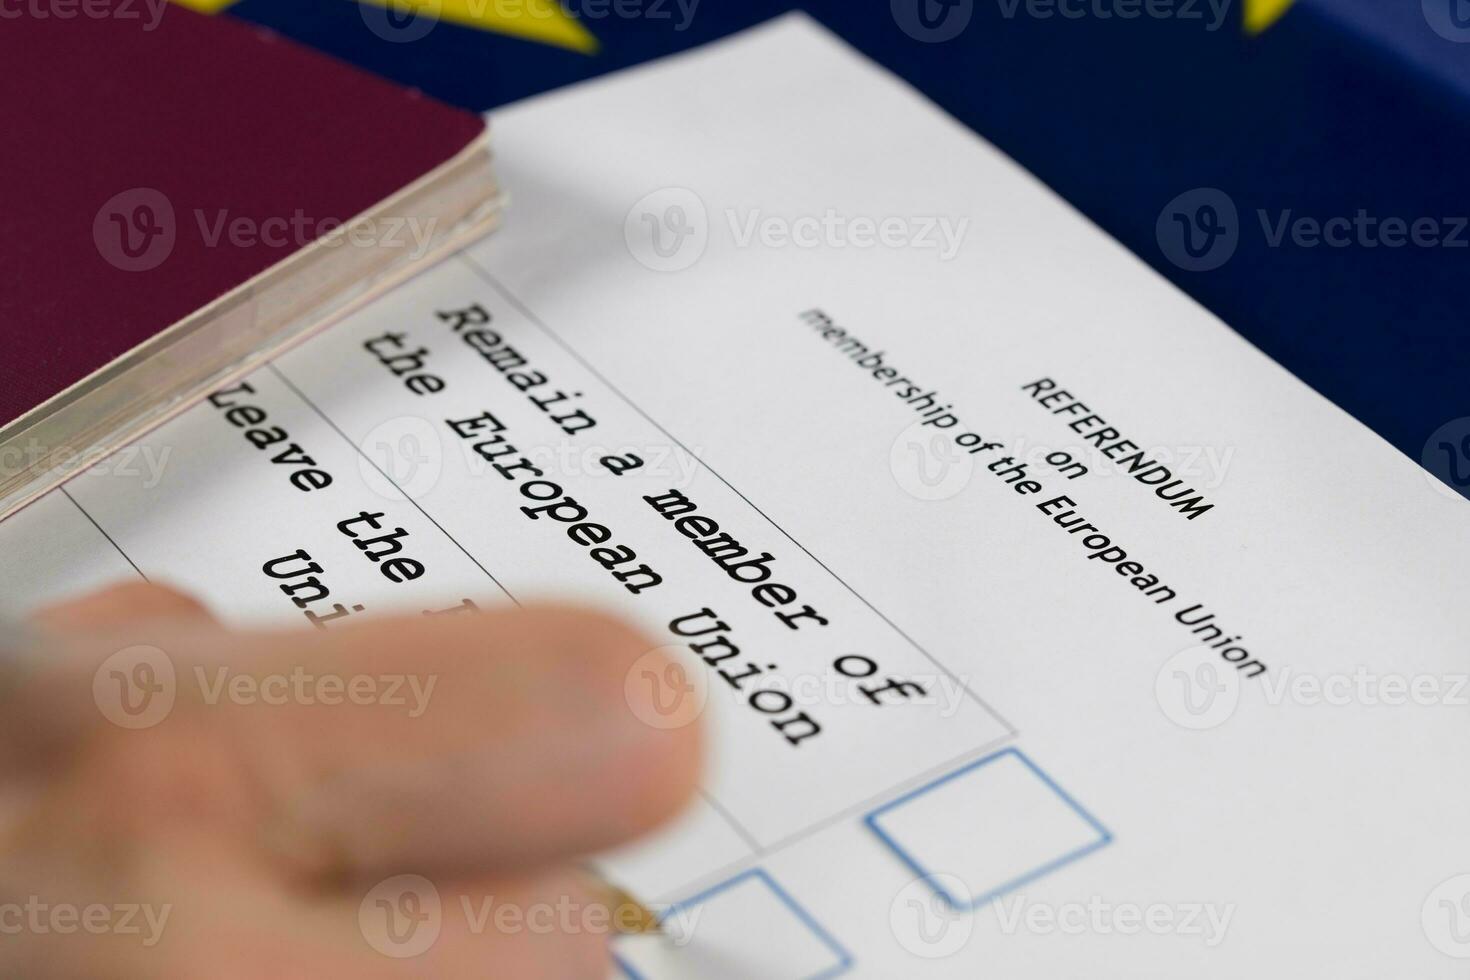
(1261,14)
(534,20)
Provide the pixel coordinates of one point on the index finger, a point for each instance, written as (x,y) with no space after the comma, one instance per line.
(452,743)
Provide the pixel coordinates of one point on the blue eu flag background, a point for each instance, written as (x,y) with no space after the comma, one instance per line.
(1304,183)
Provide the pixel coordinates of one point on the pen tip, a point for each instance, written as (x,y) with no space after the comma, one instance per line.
(629,916)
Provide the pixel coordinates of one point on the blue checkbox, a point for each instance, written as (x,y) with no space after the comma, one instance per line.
(748,926)
(987,829)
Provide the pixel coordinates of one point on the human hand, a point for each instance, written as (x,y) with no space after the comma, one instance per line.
(253,830)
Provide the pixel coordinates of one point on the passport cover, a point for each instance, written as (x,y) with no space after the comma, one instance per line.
(154,163)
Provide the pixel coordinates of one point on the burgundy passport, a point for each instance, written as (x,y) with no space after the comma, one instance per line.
(161,167)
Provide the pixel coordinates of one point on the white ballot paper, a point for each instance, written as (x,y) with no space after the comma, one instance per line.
(1043,626)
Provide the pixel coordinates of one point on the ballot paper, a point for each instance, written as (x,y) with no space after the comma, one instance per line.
(1042,626)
